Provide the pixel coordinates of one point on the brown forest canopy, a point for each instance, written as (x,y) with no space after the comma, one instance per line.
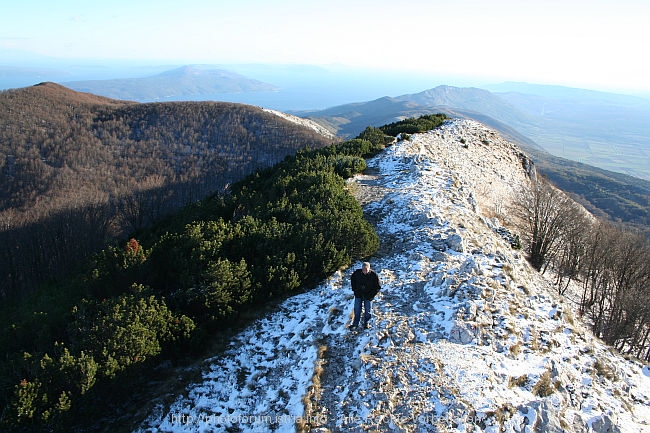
(78,166)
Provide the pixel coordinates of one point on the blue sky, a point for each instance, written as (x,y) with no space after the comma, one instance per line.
(592,44)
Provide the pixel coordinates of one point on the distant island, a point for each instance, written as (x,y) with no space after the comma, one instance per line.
(187,82)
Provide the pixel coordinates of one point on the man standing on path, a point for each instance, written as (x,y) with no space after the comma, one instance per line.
(365,285)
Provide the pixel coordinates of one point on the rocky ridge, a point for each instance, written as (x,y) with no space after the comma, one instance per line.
(465,335)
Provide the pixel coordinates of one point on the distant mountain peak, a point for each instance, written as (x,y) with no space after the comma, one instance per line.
(185,82)
(458,97)
(197,70)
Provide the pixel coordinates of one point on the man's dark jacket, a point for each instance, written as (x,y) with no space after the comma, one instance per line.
(365,286)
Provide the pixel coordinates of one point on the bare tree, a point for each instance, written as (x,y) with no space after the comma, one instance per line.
(615,274)
(595,266)
(629,291)
(612,264)
(568,262)
(546,217)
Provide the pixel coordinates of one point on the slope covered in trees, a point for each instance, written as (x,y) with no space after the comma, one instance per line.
(72,349)
(77,170)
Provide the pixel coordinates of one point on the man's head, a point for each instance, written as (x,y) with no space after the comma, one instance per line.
(365,268)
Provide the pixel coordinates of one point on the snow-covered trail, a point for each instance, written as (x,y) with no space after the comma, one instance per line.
(464,334)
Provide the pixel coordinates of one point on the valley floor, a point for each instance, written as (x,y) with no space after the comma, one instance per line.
(465,336)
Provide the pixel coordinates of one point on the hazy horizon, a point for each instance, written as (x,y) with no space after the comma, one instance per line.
(302,87)
(582,44)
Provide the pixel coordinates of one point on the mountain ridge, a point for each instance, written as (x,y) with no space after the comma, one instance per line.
(567,122)
(466,336)
(610,194)
(441,202)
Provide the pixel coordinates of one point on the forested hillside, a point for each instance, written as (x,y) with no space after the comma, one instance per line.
(77,170)
(78,351)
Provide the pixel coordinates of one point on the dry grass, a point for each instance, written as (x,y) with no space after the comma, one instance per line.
(520,381)
(544,386)
(515,349)
(604,370)
(509,271)
(568,317)
(310,399)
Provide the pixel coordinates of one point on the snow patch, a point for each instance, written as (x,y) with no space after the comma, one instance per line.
(303,122)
